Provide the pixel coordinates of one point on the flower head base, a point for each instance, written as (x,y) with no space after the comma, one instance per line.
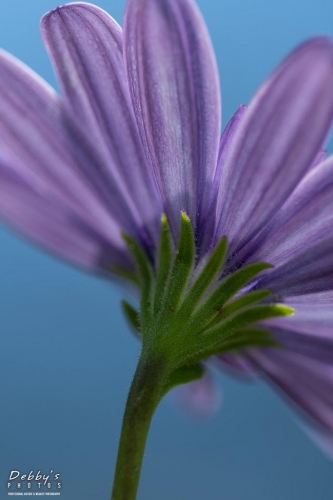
(188,315)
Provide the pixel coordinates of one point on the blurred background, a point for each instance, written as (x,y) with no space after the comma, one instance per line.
(67,356)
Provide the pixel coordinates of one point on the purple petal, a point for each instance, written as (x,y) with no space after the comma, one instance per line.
(174,87)
(53,226)
(208,221)
(306,382)
(304,220)
(284,127)
(85,44)
(201,399)
(303,367)
(306,273)
(313,317)
(317,345)
(41,142)
(322,298)
(321,156)
(226,142)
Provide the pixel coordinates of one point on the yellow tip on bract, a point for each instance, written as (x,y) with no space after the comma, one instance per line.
(164,219)
(285,310)
(185,218)
(165,228)
(268,266)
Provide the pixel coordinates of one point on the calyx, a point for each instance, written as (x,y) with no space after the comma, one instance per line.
(189,313)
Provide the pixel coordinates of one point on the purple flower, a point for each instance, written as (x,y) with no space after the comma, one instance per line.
(136,134)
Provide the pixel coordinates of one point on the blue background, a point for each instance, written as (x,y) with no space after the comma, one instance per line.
(67,356)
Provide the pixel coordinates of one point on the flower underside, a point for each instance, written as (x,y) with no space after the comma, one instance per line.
(189,313)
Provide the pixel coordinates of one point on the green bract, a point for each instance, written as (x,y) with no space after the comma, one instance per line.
(189,313)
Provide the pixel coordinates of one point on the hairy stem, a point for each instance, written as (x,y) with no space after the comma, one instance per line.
(144,396)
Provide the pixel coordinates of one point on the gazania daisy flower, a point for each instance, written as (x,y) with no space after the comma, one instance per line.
(226,240)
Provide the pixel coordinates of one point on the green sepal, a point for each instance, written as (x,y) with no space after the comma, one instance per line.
(242,302)
(140,258)
(184,375)
(248,317)
(226,290)
(163,262)
(251,337)
(242,339)
(210,271)
(146,277)
(230,341)
(221,336)
(189,314)
(132,316)
(182,265)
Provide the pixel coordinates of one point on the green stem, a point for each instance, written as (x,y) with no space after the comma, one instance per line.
(144,396)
